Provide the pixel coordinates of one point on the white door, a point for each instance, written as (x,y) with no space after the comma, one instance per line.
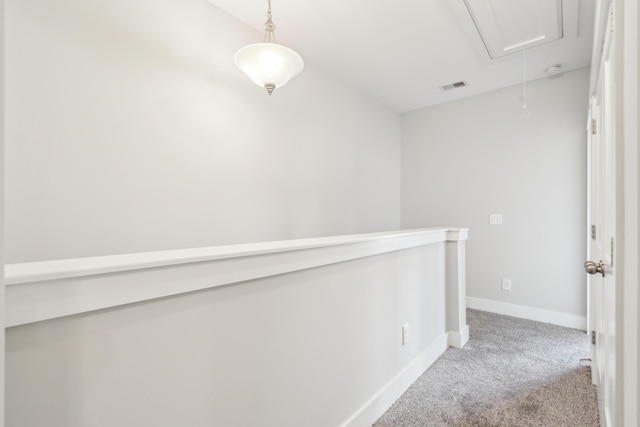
(603,233)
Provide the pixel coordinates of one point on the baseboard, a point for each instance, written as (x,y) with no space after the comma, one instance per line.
(601,408)
(390,392)
(459,339)
(531,313)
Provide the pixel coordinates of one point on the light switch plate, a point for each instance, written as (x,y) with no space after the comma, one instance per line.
(495,219)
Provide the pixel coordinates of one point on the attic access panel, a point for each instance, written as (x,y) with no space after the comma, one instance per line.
(503,27)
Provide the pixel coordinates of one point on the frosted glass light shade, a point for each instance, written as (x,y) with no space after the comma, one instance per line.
(269,65)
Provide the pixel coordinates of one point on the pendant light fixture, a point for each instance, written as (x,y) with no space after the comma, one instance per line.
(269,64)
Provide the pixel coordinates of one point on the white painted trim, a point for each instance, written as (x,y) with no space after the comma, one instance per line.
(2,203)
(390,392)
(77,267)
(607,418)
(466,23)
(457,234)
(628,75)
(600,398)
(50,289)
(526,312)
(600,24)
(456,289)
(459,339)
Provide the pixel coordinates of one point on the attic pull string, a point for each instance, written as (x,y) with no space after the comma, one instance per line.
(524,113)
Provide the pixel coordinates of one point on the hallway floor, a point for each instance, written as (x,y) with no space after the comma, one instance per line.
(512,372)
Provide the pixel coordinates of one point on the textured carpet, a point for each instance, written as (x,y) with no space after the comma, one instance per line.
(512,372)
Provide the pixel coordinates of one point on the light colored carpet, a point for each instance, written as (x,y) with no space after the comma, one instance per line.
(512,372)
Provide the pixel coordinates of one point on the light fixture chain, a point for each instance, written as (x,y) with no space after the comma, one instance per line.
(269,26)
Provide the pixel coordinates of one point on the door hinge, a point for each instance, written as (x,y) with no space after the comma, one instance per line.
(593,126)
(611,16)
(593,232)
(593,337)
(612,246)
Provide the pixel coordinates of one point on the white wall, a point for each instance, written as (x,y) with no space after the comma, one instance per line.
(467,159)
(130,129)
(309,348)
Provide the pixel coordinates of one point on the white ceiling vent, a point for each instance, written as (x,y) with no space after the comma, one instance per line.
(455,85)
(497,28)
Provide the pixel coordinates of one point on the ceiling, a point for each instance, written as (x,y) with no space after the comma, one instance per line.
(400,53)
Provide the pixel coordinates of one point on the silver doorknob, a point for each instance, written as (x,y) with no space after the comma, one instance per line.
(594,268)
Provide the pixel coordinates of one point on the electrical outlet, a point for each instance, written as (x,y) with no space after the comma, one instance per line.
(506,284)
(405,334)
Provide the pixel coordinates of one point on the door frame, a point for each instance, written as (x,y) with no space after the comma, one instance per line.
(602,209)
(625,23)
(2,163)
